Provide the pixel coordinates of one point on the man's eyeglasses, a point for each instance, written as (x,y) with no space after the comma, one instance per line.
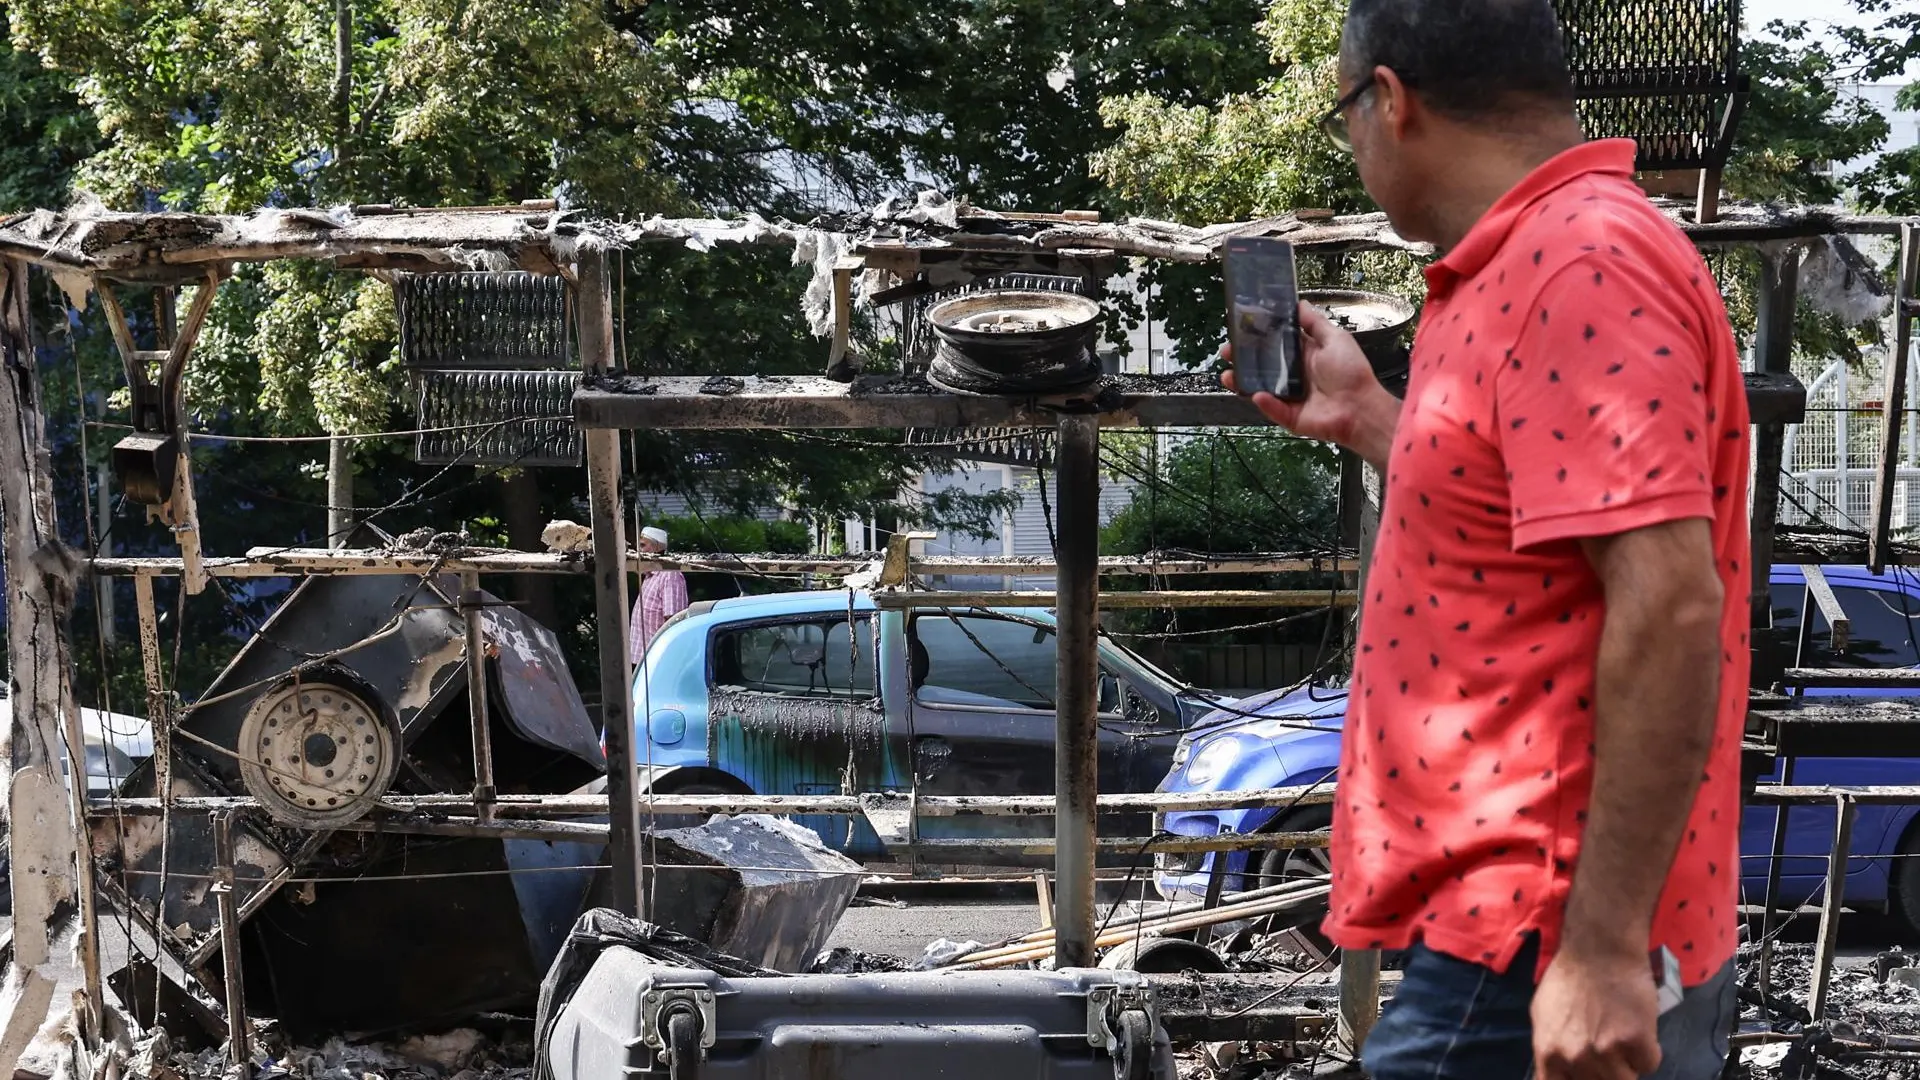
(1334,123)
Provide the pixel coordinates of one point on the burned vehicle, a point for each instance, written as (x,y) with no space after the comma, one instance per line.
(356,689)
(790,693)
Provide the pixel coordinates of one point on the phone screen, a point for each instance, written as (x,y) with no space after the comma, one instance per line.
(1263,318)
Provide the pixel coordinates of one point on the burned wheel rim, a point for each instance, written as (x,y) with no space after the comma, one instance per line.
(316,754)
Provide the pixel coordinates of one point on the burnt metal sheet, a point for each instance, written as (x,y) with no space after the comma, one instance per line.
(531,680)
(410,932)
(413,671)
(751,886)
(414,666)
(130,848)
(900,401)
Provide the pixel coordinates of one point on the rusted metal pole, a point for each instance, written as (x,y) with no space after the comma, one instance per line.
(1776,855)
(1772,354)
(593,294)
(472,607)
(1830,906)
(1360,968)
(1893,401)
(1076,767)
(222,888)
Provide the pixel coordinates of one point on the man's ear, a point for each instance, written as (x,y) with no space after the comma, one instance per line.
(1397,108)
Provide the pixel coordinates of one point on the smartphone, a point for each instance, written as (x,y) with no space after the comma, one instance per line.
(1263,318)
(1666,979)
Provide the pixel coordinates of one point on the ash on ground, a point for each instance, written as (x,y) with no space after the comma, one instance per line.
(1871,1028)
(461,1054)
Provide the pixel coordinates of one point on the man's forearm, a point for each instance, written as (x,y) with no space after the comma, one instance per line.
(1657,693)
(1372,432)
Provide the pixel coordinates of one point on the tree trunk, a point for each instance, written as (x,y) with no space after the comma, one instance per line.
(534,592)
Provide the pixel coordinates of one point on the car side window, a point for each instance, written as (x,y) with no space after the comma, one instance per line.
(1883,624)
(797,659)
(983,661)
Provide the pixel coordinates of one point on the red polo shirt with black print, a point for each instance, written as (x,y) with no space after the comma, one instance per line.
(1573,376)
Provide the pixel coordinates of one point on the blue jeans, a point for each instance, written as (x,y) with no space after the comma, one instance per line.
(1453,1019)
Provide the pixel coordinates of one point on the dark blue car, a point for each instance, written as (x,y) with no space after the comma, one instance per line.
(1294,738)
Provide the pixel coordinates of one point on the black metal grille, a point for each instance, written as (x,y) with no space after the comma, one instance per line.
(479,320)
(492,358)
(1028,447)
(1665,73)
(520,418)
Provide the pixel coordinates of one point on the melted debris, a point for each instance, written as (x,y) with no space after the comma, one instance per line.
(460,1054)
(430,542)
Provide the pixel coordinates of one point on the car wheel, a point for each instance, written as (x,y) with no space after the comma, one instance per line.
(1904,904)
(1282,865)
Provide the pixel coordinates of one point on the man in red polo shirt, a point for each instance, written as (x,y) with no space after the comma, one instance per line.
(1538,792)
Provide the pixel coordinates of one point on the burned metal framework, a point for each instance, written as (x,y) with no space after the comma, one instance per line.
(170,250)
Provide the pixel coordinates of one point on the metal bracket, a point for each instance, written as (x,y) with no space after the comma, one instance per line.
(1106,1003)
(153,463)
(655,1005)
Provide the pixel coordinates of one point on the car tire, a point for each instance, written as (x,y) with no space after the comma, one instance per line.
(1285,864)
(1903,906)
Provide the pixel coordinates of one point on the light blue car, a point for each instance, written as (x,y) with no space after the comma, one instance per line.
(820,693)
(1294,739)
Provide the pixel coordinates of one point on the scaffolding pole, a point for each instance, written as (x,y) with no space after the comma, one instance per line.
(1076,763)
(594,303)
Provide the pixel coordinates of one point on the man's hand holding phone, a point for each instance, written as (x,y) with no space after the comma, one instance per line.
(1344,403)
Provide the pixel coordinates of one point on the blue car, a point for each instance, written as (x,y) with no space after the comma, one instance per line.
(1293,738)
(821,693)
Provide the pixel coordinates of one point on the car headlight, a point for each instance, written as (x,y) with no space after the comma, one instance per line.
(1212,760)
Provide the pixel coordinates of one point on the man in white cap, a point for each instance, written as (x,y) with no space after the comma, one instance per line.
(663,594)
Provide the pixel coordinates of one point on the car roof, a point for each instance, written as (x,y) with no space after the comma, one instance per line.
(822,601)
(1894,577)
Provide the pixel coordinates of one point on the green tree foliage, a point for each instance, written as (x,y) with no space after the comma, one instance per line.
(996,100)
(1247,490)
(1888,51)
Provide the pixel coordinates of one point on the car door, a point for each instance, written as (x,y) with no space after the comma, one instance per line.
(795,709)
(1884,620)
(982,719)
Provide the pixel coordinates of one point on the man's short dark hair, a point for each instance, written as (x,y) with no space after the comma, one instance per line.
(1469,59)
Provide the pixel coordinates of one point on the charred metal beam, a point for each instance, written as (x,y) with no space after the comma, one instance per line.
(1830,905)
(1894,400)
(1076,769)
(896,401)
(537,806)
(1772,356)
(318,562)
(1845,727)
(222,888)
(593,302)
(472,608)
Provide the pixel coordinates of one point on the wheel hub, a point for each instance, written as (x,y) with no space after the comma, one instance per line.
(316,754)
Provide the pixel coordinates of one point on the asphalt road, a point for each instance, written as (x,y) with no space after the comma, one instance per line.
(907,931)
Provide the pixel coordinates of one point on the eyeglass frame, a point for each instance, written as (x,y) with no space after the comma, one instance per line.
(1334,124)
